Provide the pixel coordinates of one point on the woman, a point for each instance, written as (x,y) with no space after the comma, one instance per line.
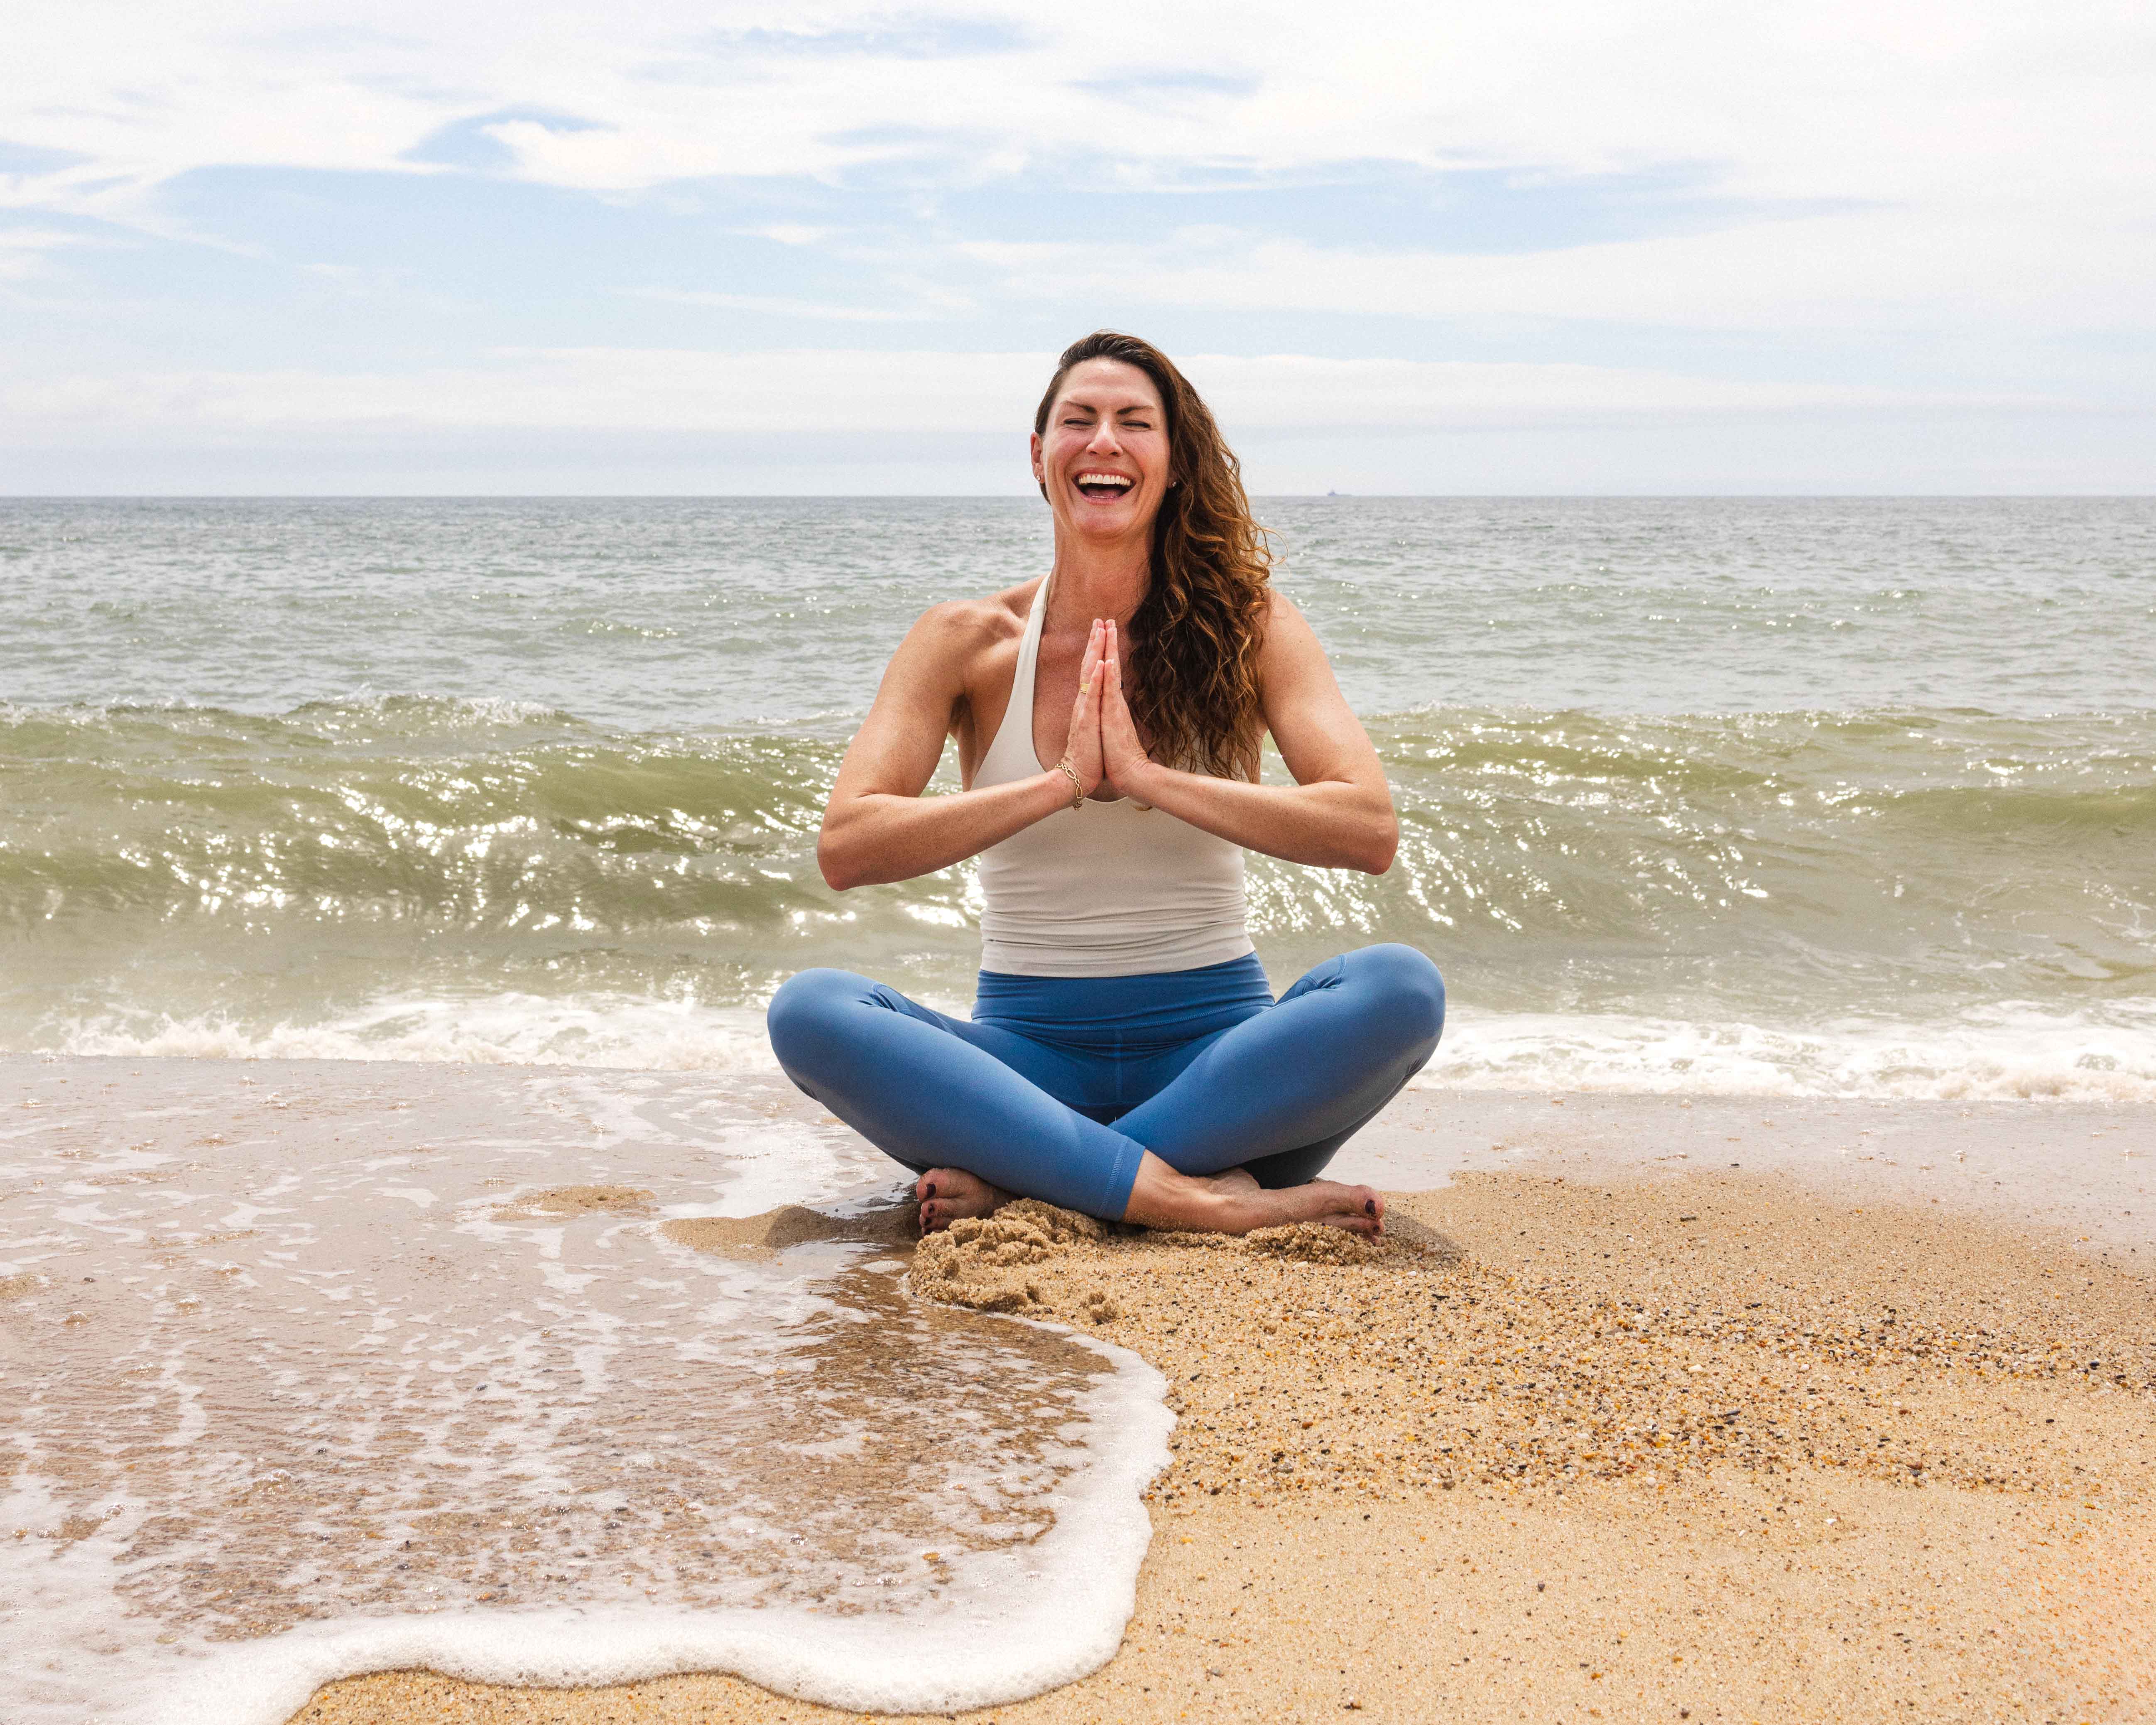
(1126,1057)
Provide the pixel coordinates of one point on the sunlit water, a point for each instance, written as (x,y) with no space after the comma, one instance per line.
(1844,797)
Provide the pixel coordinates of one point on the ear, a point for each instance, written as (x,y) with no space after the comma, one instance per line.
(1039,477)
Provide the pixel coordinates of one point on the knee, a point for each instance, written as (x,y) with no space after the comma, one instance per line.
(802,1018)
(1406,992)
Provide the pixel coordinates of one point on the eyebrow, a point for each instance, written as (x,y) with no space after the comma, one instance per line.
(1085,407)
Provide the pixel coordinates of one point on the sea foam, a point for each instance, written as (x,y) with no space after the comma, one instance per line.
(2014,1050)
(369,1367)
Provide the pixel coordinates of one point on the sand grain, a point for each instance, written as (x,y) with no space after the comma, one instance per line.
(1702,1449)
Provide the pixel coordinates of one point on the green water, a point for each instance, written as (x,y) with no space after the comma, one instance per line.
(1848,797)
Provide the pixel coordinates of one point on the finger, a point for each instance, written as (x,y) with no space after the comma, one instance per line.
(1089,667)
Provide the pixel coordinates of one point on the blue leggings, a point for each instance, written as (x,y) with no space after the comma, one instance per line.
(1059,1084)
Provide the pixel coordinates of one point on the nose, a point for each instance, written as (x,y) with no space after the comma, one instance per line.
(1104,440)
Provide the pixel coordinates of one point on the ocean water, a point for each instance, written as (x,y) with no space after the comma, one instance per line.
(341,1372)
(315,1367)
(1838,797)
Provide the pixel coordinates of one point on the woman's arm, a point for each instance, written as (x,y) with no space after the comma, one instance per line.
(1338,814)
(878,826)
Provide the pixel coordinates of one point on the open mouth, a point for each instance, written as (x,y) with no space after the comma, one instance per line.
(1104,484)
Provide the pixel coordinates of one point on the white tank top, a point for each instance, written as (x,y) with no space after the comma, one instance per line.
(1113,889)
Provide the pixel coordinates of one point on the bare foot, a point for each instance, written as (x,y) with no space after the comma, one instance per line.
(946,1193)
(1234,1203)
(1360,1209)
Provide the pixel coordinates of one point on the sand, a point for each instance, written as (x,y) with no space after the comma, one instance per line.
(793,1224)
(1665,1443)
(581,1201)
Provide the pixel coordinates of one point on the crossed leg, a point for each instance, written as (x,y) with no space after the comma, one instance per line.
(1278,1092)
(1233,1202)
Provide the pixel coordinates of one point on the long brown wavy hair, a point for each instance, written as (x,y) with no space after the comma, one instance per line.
(1191,673)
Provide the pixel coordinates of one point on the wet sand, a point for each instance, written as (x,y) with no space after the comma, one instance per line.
(1869,1434)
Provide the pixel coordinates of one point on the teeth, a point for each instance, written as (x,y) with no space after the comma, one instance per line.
(1102,479)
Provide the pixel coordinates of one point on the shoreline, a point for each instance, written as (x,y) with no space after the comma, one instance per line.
(1814,1576)
(1958,1520)
(1512,1478)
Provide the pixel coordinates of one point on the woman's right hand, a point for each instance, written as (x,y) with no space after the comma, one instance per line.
(879,826)
(1083,750)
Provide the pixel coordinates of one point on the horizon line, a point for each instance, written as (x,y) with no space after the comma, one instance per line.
(1792,496)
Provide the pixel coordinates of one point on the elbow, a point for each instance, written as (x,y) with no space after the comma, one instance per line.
(840,871)
(1381,846)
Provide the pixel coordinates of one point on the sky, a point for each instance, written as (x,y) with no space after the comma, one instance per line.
(1431,248)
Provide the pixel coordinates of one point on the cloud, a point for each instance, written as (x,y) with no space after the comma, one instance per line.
(838,391)
(1297,392)
(774,306)
(1985,99)
(789,232)
(1849,268)
(916,36)
(1954,196)
(494,141)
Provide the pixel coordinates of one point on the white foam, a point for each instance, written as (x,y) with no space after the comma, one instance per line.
(1017,1623)
(1021,1621)
(2010,1052)
(611,1031)
(448,712)
(2004,1052)
(558,1372)
(607,1031)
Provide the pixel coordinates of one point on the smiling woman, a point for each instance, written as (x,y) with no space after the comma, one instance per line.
(1196,637)
(1125,1056)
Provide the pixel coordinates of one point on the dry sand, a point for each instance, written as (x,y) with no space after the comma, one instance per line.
(1709,1447)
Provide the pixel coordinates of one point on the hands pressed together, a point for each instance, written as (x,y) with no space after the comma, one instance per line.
(1104,749)
(880,827)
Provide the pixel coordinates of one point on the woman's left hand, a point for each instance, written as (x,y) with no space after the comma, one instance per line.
(1124,762)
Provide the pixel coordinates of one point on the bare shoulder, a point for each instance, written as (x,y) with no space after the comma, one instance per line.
(963,625)
(1281,611)
(1290,640)
(959,633)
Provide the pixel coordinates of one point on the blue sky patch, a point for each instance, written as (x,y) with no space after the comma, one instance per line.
(30,159)
(469,143)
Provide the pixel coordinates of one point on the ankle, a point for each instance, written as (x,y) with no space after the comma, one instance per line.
(1232,1211)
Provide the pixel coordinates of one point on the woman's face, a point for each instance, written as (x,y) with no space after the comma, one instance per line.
(1103,458)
